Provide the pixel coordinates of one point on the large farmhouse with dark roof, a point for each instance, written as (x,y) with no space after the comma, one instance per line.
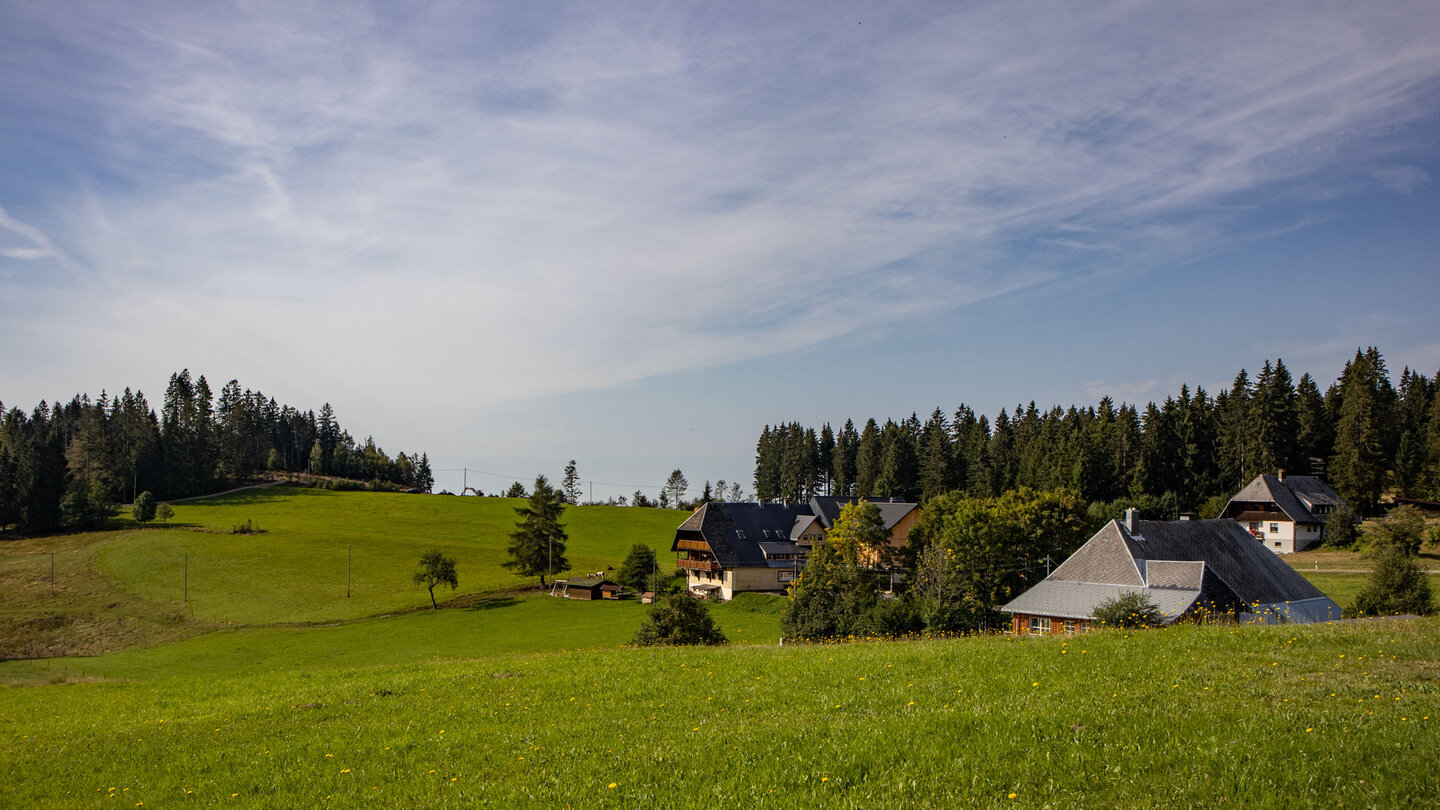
(1191,569)
(729,548)
(1286,513)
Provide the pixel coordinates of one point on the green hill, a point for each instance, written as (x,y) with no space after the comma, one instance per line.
(258,598)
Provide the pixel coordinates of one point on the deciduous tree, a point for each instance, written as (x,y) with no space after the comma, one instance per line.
(436,569)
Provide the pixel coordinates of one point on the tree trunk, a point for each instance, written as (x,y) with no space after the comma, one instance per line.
(432,598)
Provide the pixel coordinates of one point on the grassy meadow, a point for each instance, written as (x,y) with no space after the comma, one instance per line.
(1338,715)
(269,687)
(128,588)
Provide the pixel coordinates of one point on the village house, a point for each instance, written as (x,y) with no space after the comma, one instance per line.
(730,548)
(1193,570)
(1286,513)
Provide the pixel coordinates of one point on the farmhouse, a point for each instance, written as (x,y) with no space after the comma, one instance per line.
(588,588)
(730,548)
(1285,513)
(1192,569)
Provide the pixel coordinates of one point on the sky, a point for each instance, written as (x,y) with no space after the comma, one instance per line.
(514,234)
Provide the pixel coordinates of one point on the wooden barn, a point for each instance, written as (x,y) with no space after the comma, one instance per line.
(588,588)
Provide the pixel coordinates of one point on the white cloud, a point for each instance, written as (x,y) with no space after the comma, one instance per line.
(489,204)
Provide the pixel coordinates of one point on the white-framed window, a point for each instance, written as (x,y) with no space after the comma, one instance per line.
(1039,626)
(786,576)
(1069,628)
(1274,527)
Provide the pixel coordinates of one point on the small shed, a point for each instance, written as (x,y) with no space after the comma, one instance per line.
(647,598)
(589,588)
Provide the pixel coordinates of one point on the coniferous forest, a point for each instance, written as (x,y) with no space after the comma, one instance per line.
(1362,434)
(67,465)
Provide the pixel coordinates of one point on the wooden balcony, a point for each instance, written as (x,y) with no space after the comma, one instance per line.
(699,565)
(692,545)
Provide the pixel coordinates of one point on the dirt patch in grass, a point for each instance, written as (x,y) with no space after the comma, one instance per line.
(54,603)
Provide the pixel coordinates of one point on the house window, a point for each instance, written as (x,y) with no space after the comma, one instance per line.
(1039,626)
(786,576)
(1274,527)
(1254,526)
(1069,628)
(1277,544)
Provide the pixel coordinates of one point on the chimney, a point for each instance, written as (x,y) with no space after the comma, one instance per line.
(1132,515)
(1281,476)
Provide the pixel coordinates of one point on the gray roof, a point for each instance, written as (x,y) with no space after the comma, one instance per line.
(1173,561)
(892,510)
(1078,600)
(1294,495)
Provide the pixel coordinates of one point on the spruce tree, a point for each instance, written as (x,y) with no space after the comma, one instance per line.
(537,546)
(571,483)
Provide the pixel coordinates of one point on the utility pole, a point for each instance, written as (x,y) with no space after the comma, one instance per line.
(348,551)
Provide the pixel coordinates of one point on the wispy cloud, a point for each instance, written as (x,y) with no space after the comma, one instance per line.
(496,202)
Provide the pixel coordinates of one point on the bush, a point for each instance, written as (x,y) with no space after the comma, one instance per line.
(1340,531)
(678,619)
(1397,585)
(1403,529)
(1129,609)
(143,511)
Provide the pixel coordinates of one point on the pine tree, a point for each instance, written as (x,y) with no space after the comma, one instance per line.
(1362,431)
(868,457)
(537,546)
(675,487)
(571,483)
(847,444)
(936,457)
(1316,438)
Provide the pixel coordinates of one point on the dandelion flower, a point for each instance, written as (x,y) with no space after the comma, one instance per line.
(613,785)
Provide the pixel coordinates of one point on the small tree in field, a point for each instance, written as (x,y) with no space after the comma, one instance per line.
(678,619)
(639,566)
(1130,609)
(144,509)
(164,511)
(436,569)
(1396,586)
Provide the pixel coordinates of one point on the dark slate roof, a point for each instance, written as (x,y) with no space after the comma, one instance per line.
(1295,494)
(1252,571)
(1313,491)
(1174,562)
(892,511)
(735,531)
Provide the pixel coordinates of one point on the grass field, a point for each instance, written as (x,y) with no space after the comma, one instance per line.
(128,588)
(1316,716)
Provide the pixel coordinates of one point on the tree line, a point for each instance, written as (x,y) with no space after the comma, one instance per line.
(1362,434)
(66,465)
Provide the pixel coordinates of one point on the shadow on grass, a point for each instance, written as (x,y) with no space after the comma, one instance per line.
(475,601)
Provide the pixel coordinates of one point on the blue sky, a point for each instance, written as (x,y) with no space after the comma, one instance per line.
(632,234)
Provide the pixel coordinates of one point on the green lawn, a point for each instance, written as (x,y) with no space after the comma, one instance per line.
(1317,716)
(127,588)
(489,626)
(296,570)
